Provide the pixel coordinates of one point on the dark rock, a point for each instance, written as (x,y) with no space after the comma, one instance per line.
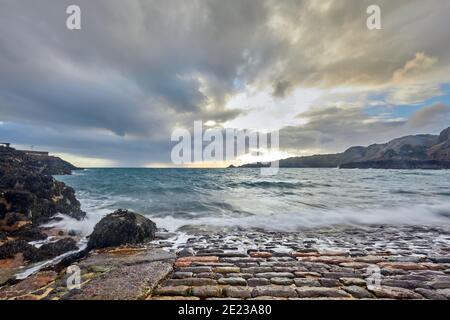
(394,293)
(11,248)
(330,282)
(206,291)
(71,258)
(186,252)
(440,259)
(57,248)
(21,201)
(122,227)
(312,292)
(431,294)
(255,282)
(29,233)
(3,210)
(28,192)
(72,233)
(51,250)
(33,254)
(274,291)
(358,292)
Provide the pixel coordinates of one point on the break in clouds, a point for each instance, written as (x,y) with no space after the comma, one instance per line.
(112,92)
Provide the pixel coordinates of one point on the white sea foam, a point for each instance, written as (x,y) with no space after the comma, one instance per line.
(416,215)
(294,199)
(432,215)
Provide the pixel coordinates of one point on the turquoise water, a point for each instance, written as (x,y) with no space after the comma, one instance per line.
(290,200)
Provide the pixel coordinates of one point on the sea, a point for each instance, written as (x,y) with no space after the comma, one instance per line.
(220,199)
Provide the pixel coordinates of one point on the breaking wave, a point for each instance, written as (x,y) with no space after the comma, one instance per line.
(292,200)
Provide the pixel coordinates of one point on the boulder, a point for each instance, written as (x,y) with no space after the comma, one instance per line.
(122,227)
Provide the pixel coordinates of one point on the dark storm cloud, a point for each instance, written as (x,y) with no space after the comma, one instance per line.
(132,65)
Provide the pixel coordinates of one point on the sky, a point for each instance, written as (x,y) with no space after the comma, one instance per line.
(112,93)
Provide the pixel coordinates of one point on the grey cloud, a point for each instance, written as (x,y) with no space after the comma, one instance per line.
(139,68)
(434,116)
(334,129)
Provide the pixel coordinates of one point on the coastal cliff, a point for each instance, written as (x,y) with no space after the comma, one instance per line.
(29,195)
(423,151)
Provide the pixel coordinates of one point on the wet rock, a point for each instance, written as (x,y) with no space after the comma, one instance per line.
(129,274)
(274,275)
(3,210)
(353,281)
(337,275)
(187,261)
(227,269)
(444,292)
(11,248)
(254,282)
(256,269)
(430,294)
(285,269)
(209,275)
(164,235)
(237,292)
(329,282)
(402,265)
(440,259)
(122,227)
(306,282)
(173,291)
(407,284)
(199,269)
(174,298)
(9,267)
(358,292)
(260,254)
(274,291)
(355,265)
(51,250)
(206,291)
(394,293)
(238,275)
(233,281)
(28,286)
(73,233)
(182,275)
(440,283)
(185,252)
(282,281)
(316,292)
(303,274)
(191,282)
(29,190)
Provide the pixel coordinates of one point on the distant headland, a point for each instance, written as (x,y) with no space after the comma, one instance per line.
(423,151)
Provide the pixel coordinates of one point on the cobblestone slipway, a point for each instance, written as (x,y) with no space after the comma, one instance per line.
(331,263)
(372,262)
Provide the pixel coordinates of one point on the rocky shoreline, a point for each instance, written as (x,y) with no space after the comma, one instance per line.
(29,198)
